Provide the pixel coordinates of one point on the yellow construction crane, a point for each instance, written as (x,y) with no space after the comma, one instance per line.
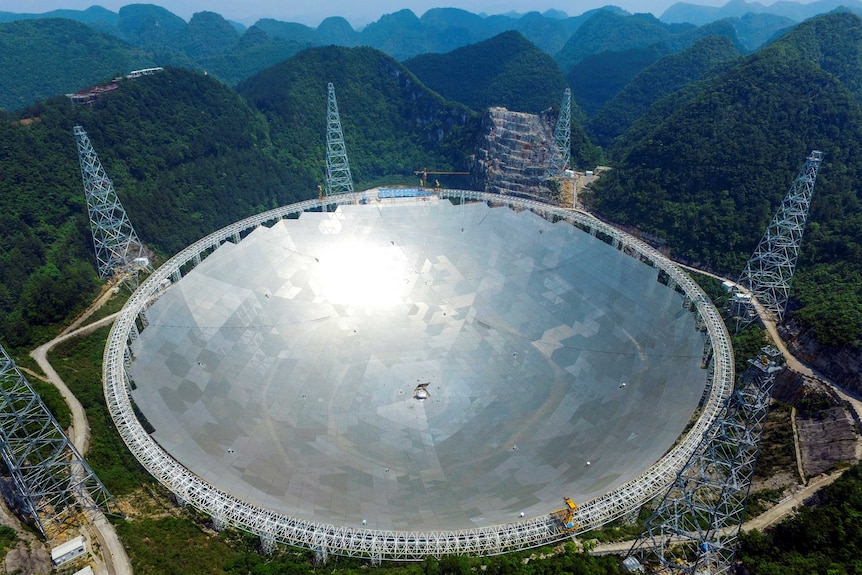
(425,171)
(566,516)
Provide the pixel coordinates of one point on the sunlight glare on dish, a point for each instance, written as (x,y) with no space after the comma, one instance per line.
(360,274)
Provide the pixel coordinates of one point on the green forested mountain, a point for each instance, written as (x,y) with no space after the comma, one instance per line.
(707,167)
(609,32)
(254,51)
(599,77)
(299,33)
(232,53)
(92,15)
(207,34)
(186,155)
(755,30)
(506,70)
(207,42)
(664,77)
(606,34)
(43,58)
(392,124)
(338,31)
(794,11)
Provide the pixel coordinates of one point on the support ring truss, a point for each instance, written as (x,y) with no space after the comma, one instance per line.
(695,528)
(227,509)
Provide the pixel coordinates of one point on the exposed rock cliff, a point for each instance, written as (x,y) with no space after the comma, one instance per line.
(842,365)
(827,432)
(514,150)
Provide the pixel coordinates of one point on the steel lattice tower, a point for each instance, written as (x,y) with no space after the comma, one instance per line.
(116,243)
(561,154)
(769,272)
(695,528)
(53,482)
(338,178)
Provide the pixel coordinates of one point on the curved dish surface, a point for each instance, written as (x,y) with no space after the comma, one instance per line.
(418,365)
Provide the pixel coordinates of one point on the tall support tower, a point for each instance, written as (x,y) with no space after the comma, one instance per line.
(769,272)
(338,178)
(696,526)
(53,483)
(561,154)
(118,249)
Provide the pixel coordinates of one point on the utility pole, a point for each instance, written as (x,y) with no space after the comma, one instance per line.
(338,178)
(695,529)
(118,250)
(52,481)
(769,271)
(561,154)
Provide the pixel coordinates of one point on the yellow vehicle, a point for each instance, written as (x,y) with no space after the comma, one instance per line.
(566,516)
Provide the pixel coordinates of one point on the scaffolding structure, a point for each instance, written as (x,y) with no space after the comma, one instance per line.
(562,151)
(338,177)
(769,271)
(52,482)
(696,526)
(118,250)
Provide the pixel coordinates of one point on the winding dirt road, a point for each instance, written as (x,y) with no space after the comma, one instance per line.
(113,553)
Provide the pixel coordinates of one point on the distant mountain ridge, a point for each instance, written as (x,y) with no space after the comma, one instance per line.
(794,11)
(506,70)
(403,34)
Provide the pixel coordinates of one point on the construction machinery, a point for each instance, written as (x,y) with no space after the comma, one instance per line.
(425,171)
(565,517)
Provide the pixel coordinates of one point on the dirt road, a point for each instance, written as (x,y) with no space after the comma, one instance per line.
(113,553)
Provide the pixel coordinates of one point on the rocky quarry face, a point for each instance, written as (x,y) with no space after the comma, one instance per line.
(843,365)
(513,154)
(826,427)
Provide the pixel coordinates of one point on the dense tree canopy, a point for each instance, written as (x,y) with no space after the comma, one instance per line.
(392,124)
(707,168)
(186,156)
(670,73)
(506,70)
(823,538)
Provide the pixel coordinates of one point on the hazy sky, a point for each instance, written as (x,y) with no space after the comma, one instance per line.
(358,12)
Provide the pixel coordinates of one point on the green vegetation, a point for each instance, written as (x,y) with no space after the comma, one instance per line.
(599,77)
(624,529)
(506,70)
(706,168)
(79,363)
(179,545)
(392,124)
(52,59)
(777,451)
(609,32)
(186,155)
(760,501)
(52,400)
(32,69)
(654,82)
(173,545)
(820,539)
(8,539)
(814,404)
